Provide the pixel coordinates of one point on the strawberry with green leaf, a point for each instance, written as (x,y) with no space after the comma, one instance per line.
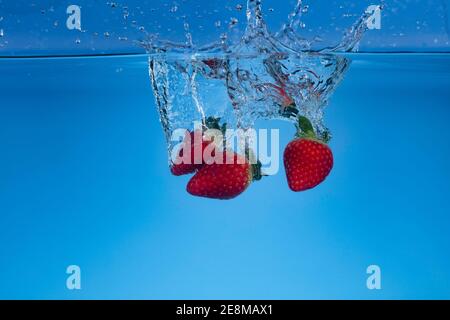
(224,180)
(194,145)
(307,159)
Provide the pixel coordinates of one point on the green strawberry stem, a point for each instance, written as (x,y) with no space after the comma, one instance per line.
(306,130)
(255,167)
(256,171)
(212,123)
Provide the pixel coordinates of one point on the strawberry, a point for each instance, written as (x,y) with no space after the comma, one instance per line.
(213,63)
(191,144)
(226,180)
(307,159)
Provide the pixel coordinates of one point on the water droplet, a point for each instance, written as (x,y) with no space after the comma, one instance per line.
(2,33)
(77,41)
(239,7)
(174,9)
(113,4)
(217,24)
(123,38)
(106,34)
(271,9)
(141,28)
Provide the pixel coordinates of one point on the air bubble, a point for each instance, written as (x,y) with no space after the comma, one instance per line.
(233,22)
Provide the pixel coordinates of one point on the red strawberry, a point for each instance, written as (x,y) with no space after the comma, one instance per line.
(213,63)
(288,108)
(195,162)
(307,159)
(224,181)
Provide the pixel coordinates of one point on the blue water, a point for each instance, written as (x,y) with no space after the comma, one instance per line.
(84,180)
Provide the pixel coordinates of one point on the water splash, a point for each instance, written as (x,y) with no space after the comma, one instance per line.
(290,32)
(262,76)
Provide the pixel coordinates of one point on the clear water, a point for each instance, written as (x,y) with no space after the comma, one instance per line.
(84,180)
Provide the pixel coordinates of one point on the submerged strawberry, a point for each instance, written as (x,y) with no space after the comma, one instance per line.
(224,180)
(213,63)
(195,144)
(194,159)
(307,159)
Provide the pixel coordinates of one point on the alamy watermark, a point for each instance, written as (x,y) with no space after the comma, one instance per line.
(374,19)
(74,20)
